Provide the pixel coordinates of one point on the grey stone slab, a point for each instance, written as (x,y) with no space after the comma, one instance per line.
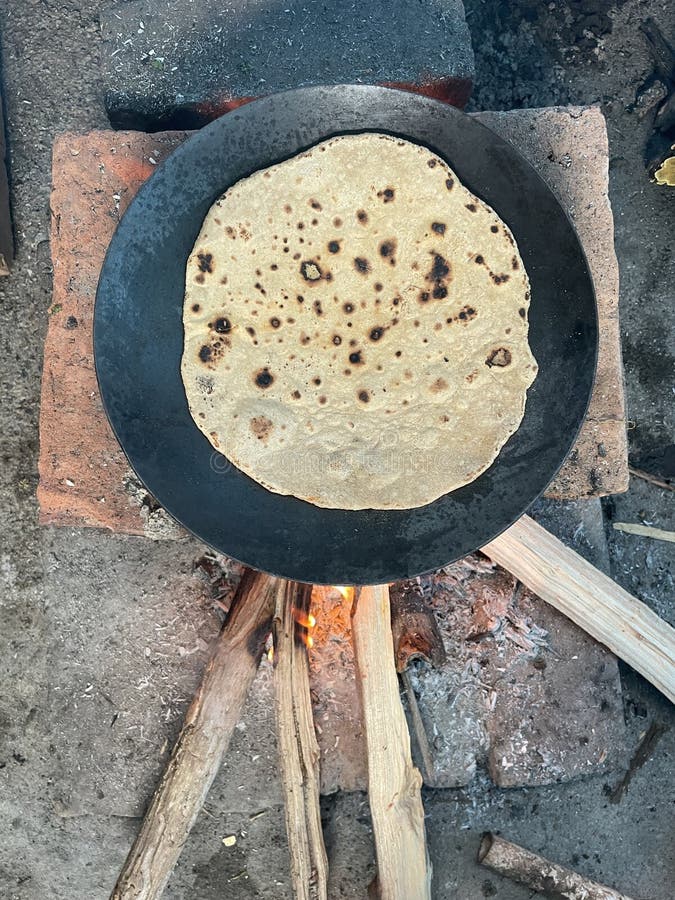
(180,63)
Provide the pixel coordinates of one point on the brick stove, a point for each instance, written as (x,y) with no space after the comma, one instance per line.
(516,673)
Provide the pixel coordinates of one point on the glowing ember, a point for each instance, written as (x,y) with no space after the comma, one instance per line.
(347,593)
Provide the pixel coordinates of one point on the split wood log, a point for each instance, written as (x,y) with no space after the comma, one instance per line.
(590,599)
(404,869)
(298,748)
(538,873)
(413,626)
(205,735)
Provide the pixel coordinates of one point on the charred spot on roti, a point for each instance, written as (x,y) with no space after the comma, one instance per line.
(499,279)
(388,249)
(431,162)
(300,298)
(467,313)
(470,377)
(315,204)
(362,265)
(376,333)
(449,183)
(205,353)
(378,286)
(310,271)
(356,358)
(222,325)
(363,396)
(438,227)
(300,225)
(440,292)
(274,267)
(261,427)
(387,194)
(337,221)
(440,268)
(317,307)
(274,322)
(423,296)
(478,259)
(205,262)
(515,265)
(322,399)
(348,308)
(288,208)
(296,395)
(264,378)
(471,207)
(439,385)
(316,381)
(333,246)
(251,330)
(362,216)
(499,357)
(337,340)
(522,312)
(494,228)
(196,307)
(199,278)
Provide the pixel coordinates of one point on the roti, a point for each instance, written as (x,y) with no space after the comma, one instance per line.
(356,327)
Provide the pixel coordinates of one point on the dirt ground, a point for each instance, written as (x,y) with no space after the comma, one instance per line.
(102,638)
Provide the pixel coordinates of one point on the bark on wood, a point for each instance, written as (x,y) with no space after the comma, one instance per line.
(588,597)
(539,873)
(413,626)
(419,733)
(206,733)
(404,870)
(298,748)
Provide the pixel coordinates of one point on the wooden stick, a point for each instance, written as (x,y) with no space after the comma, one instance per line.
(644,531)
(205,735)
(298,748)
(538,873)
(652,479)
(413,626)
(404,870)
(588,597)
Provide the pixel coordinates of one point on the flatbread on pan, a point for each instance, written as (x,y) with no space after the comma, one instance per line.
(356,327)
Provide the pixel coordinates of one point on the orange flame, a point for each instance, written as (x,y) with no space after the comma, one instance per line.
(305,623)
(347,593)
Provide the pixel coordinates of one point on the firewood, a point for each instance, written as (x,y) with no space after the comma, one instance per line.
(404,870)
(413,626)
(205,735)
(589,598)
(538,873)
(298,748)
